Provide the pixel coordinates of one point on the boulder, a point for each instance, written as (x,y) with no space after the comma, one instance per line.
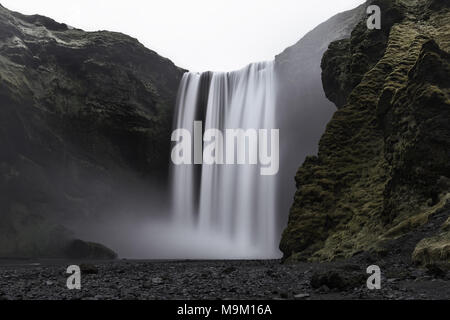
(337,280)
(83,250)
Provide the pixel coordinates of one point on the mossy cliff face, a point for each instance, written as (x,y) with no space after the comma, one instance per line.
(83,116)
(383,165)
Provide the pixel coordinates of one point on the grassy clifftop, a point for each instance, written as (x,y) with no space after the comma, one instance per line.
(383,165)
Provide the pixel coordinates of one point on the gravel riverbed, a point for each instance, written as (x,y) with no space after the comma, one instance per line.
(263,279)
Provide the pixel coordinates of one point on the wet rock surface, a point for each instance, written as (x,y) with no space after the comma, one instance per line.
(165,280)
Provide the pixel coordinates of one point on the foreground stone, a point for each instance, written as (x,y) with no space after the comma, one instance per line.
(164,280)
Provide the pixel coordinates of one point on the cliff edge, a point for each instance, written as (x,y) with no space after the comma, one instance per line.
(382,173)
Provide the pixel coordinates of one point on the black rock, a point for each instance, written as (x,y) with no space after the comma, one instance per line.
(88,269)
(79,249)
(436,271)
(337,280)
(229,270)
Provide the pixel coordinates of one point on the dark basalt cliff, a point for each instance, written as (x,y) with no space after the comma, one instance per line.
(303,110)
(82,115)
(383,169)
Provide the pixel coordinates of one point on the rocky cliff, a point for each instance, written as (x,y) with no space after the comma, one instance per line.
(302,107)
(382,174)
(83,116)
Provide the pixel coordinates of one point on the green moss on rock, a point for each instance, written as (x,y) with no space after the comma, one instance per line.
(384,154)
(433,250)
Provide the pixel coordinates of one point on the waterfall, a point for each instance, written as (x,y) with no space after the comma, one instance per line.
(232,208)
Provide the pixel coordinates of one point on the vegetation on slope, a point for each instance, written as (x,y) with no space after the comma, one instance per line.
(383,165)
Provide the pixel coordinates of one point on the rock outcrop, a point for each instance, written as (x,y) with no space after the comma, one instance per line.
(383,167)
(83,116)
(302,107)
(79,249)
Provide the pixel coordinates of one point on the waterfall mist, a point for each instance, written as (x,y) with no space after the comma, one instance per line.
(220,211)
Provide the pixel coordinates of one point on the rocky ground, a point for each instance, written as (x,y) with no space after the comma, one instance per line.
(127,279)
(263,279)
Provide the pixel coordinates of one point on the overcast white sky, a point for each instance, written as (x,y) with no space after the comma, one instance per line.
(198,35)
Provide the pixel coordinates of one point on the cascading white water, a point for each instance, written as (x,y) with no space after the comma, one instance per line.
(231,209)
